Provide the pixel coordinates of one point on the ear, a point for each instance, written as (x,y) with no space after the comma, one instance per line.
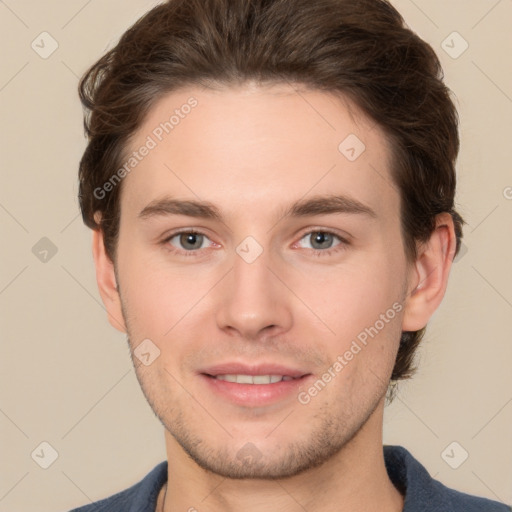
(428,277)
(106,279)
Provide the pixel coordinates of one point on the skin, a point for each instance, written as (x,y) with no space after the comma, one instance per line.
(252,151)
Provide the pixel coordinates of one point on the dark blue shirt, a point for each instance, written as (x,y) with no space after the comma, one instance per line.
(422,493)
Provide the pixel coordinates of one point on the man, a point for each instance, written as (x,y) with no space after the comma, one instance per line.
(271,187)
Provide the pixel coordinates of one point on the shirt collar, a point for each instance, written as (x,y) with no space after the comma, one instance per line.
(421,492)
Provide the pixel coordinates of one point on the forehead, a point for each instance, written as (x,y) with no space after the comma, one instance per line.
(258,145)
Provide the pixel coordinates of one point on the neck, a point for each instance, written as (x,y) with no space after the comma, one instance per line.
(353,479)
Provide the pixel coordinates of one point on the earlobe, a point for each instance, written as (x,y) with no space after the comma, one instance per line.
(107,283)
(429,275)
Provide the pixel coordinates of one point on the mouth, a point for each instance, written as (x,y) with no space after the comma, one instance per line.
(253,379)
(253,387)
(232,371)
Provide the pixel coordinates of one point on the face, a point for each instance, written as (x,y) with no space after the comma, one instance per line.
(252,243)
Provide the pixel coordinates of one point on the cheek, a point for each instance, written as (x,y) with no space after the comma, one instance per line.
(157,297)
(354,297)
(362,305)
(156,302)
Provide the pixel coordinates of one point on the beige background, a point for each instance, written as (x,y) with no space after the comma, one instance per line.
(66,375)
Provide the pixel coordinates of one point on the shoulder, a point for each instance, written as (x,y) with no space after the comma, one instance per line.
(141,497)
(423,493)
(463,502)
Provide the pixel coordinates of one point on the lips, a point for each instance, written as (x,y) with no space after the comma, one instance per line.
(254,370)
(254,385)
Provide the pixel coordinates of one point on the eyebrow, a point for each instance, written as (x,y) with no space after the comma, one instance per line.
(317,205)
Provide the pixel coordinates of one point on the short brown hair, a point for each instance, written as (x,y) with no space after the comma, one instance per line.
(359,48)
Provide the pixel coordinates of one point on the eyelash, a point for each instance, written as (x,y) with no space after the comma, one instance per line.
(316,252)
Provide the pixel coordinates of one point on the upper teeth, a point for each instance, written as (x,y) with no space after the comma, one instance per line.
(253,379)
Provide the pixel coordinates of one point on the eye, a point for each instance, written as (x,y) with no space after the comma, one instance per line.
(187,241)
(322,242)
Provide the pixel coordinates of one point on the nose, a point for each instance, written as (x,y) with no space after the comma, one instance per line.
(253,300)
